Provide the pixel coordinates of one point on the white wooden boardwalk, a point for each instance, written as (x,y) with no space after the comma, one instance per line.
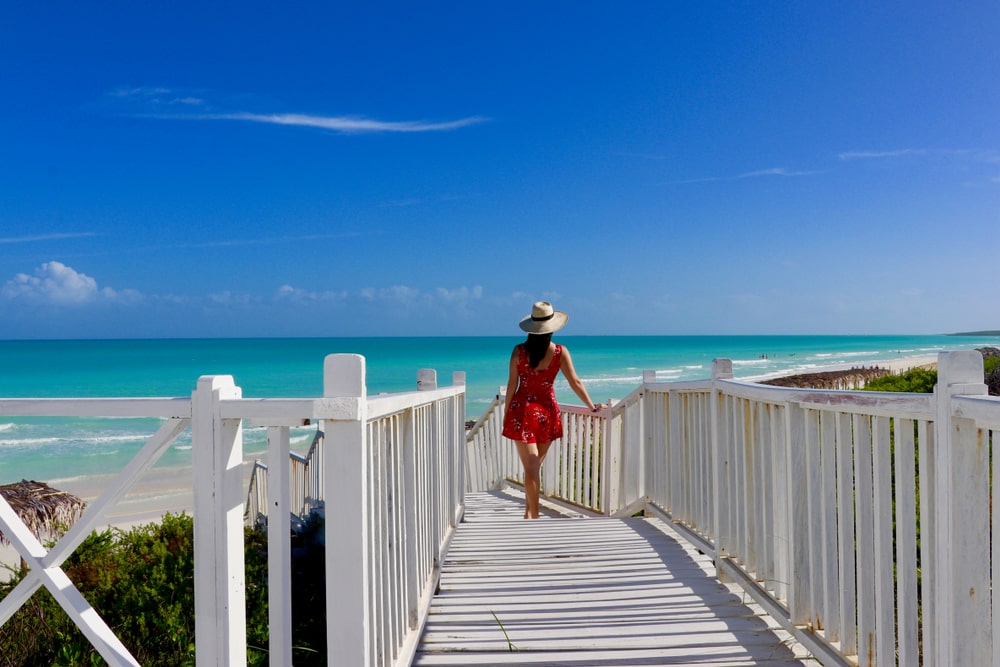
(587,591)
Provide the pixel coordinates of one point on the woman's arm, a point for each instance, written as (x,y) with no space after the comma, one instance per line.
(511,381)
(575,383)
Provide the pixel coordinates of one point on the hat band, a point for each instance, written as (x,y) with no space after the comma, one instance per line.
(543,319)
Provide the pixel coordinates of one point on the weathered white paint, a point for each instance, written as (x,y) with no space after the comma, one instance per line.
(749,473)
(593,592)
(220,593)
(348,608)
(962,487)
(279,554)
(798,495)
(404,515)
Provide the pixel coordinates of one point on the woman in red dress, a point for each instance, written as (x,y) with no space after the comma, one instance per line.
(531,413)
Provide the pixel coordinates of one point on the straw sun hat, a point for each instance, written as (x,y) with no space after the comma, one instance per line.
(543,319)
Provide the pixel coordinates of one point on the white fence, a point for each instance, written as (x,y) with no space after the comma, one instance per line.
(305,485)
(392,481)
(577,467)
(861,521)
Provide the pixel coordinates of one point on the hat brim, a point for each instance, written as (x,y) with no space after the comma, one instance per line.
(556,322)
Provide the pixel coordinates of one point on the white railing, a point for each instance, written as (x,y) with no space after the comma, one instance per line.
(488,452)
(305,485)
(860,520)
(394,473)
(575,467)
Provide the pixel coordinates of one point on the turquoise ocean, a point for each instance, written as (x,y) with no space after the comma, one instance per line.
(62,449)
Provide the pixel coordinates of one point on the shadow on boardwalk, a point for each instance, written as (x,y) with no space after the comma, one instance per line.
(599,591)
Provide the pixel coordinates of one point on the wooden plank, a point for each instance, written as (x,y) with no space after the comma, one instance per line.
(596,591)
(847,598)
(885,600)
(865,535)
(908,609)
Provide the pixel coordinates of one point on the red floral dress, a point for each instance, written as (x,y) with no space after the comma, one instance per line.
(533,415)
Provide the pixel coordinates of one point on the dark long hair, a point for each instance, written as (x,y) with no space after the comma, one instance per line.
(536,346)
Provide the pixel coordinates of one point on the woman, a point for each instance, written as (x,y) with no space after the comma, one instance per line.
(531,413)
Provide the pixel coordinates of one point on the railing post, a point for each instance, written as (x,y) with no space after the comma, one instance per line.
(219,593)
(675,500)
(722,369)
(797,546)
(500,452)
(458,451)
(650,469)
(411,518)
(961,573)
(611,471)
(279,548)
(348,608)
(427,379)
(618,464)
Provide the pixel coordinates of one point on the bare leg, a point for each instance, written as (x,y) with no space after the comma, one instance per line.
(532,454)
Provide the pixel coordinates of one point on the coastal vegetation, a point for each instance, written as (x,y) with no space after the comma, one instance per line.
(922,380)
(141,581)
(915,380)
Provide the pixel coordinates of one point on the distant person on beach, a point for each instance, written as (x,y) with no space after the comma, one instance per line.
(531,413)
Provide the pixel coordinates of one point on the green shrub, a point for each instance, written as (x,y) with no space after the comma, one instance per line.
(917,380)
(922,381)
(141,581)
(991,364)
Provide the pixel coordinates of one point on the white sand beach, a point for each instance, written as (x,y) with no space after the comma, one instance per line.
(159,492)
(908,363)
(896,365)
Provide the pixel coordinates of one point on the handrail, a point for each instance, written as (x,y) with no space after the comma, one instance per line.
(255,508)
(305,486)
(393,467)
(813,501)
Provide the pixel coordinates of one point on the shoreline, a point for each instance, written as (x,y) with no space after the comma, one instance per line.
(847,376)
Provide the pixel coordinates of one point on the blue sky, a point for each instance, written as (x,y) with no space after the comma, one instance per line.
(336,169)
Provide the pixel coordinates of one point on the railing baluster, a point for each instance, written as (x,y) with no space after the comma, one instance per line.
(906,543)
(279,535)
(847,562)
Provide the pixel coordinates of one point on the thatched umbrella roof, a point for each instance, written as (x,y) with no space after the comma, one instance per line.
(47,512)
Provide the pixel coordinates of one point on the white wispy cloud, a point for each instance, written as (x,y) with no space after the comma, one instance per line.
(271,240)
(46,237)
(401,294)
(169,104)
(395,295)
(54,283)
(300,296)
(775,171)
(970,160)
(462,294)
(759,173)
(402,203)
(874,155)
(344,124)
(155,96)
(972,154)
